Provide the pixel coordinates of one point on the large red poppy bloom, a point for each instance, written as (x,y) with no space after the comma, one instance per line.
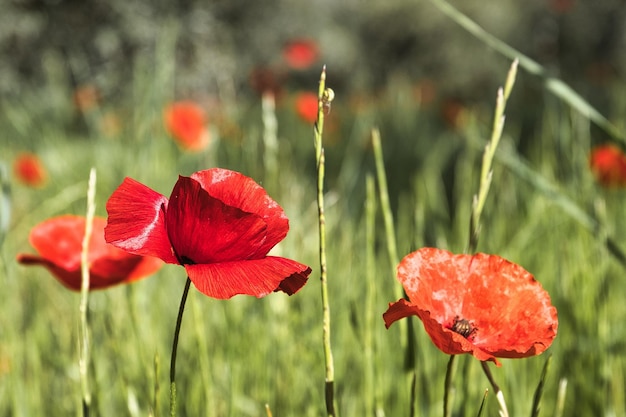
(479,304)
(185,121)
(218,224)
(59,243)
(608,164)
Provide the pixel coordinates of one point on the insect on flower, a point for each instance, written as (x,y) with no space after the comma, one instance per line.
(463,327)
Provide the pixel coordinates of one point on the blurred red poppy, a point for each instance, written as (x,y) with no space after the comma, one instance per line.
(608,164)
(218,224)
(86,97)
(307,106)
(186,123)
(479,304)
(59,243)
(29,170)
(301,53)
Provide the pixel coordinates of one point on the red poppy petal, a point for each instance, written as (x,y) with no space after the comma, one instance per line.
(257,277)
(204,230)
(237,190)
(60,240)
(399,310)
(511,312)
(136,221)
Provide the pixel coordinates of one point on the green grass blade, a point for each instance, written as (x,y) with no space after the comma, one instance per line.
(552,84)
(539,390)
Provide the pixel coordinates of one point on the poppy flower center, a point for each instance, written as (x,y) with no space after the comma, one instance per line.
(463,327)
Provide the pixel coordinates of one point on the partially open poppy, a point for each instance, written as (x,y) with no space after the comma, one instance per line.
(59,243)
(186,122)
(307,106)
(479,304)
(29,170)
(300,53)
(218,224)
(608,164)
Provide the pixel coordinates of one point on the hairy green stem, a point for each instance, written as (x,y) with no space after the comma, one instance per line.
(325,96)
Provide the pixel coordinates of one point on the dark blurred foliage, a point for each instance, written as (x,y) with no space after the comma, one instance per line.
(220,42)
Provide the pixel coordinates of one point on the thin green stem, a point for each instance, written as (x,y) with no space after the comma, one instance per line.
(504,412)
(83,340)
(325,96)
(179,320)
(447,392)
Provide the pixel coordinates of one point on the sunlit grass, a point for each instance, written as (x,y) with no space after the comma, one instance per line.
(244,353)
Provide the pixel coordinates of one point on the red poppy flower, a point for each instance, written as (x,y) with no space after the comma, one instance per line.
(307,106)
(479,304)
(608,164)
(29,170)
(218,224)
(59,243)
(186,122)
(301,53)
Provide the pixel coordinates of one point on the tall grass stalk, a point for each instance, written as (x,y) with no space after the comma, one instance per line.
(270,138)
(83,337)
(325,96)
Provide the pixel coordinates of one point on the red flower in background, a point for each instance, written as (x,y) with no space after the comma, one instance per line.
(29,170)
(59,242)
(301,53)
(307,106)
(479,304)
(186,123)
(218,224)
(608,164)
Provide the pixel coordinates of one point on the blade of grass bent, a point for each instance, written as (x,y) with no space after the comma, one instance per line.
(551,83)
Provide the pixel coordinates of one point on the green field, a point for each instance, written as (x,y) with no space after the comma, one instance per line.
(544,212)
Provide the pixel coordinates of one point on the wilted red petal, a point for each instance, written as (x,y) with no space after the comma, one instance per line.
(29,170)
(186,122)
(136,221)
(257,277)
(307,106)
(509,310)
(59,243)
(202,229)
(237,190)
(301,53)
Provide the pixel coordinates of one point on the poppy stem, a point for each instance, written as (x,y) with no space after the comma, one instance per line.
(504,412)
(447,392)
(179,320)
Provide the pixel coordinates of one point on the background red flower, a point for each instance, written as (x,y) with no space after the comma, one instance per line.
(186,122)
(29,170)
(301,53)
(479,304)
(218,224)
(59,243)
(608,164)
(307,106)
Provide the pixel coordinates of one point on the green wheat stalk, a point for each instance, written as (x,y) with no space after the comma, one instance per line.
(83,339)
(325,96)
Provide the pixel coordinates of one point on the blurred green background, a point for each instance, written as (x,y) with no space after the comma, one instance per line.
(401,66)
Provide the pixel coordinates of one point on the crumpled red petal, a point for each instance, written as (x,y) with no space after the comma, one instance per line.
(237,190)
(512,313)
(136,221)
(202,229)
(257,277)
